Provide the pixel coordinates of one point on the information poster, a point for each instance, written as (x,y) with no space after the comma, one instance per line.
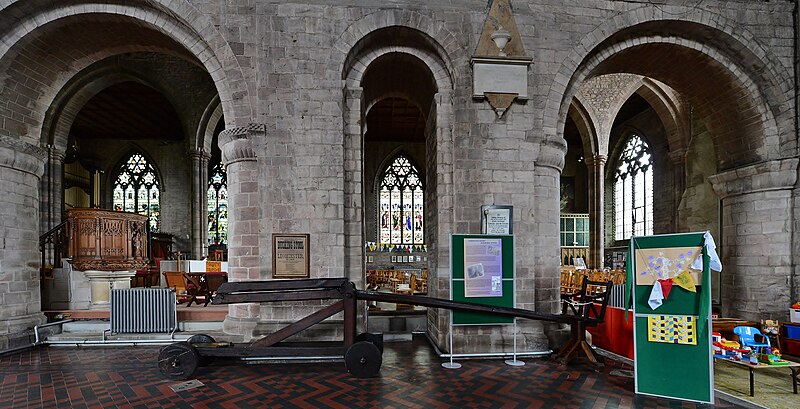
(482,269)
(483,261)
(290,256)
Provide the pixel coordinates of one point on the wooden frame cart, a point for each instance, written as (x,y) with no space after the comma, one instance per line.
(362,353)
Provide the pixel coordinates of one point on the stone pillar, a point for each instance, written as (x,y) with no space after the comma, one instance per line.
(678,159)
(547,212)
(439,210)
(596,165)
(353,187)
(241,165)
(199,203)
(21,167)
(756,242)
(51,191)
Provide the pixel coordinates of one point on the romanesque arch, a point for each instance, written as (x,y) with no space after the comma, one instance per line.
(134,28)
(741,96)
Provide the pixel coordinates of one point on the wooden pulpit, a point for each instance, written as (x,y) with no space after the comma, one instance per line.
(105,240)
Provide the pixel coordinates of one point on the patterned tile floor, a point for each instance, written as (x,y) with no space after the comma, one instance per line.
(411,377)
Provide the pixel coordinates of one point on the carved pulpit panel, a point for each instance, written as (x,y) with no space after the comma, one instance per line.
(105,240)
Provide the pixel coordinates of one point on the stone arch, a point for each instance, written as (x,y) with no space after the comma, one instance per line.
(440,40)
(205,131)
(433,62)
(586,124)
(190,34)
(80,90)
(670,109)
(366,47)
(604,96)
(738,56)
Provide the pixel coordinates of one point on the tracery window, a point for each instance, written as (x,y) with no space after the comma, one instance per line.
(633,191)
(217,194)
(401,211)
(136,190)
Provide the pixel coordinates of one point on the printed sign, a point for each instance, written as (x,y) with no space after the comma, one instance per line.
(483,261)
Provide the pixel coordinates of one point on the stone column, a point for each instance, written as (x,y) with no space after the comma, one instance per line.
(353,187)
(756,242)
(678,159)
(199,203)
(596,165)
(547,210)
(21,167)
(241,165)
(52,191)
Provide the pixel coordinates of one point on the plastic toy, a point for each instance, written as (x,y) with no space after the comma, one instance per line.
(772,357)
(722,348)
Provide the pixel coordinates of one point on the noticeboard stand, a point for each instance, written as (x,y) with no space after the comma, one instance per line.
(503,246)
(514,361)
(688,372)
(451,364)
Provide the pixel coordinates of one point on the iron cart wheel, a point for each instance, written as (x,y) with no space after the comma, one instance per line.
(178,361)
(363,359)
(202,339)
(376,339)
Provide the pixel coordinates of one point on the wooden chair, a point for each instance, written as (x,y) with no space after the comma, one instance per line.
(213,281)
(589,310)
(175,280)
(203,285)
(196,288)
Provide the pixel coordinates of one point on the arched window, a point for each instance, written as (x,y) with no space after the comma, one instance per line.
(136,190)
(217,205)
(633,191)
(401,215)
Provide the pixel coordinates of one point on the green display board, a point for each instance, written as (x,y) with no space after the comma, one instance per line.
(482,272)
(667,368)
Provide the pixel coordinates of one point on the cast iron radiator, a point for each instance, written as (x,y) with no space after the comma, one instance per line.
(143,310)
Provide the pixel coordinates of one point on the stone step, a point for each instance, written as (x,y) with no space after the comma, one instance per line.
(98,326)
(193,313)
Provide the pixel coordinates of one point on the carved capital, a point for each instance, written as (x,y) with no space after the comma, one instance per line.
(596,161)
(778,174)
(22,156)
(551,153)
(236,143)
(678,156)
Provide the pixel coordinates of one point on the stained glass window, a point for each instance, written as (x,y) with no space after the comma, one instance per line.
(136,190)
(401,204)
(217,205)
(633,191)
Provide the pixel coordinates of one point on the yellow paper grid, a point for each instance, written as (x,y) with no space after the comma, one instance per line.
(672,329)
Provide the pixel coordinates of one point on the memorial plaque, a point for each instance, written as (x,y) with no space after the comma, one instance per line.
(290,255)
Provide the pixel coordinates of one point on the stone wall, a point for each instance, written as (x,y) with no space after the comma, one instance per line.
(294,68)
